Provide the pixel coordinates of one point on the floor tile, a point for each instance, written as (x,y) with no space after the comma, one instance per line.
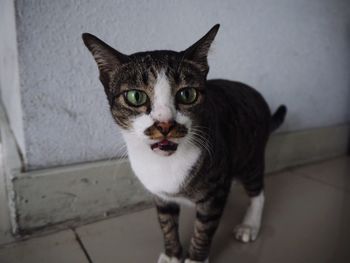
(334,172)
(56,248)
(129,238)
(304,221)
(135,238)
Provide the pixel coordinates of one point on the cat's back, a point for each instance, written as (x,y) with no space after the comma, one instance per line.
(235,91)
(237,99)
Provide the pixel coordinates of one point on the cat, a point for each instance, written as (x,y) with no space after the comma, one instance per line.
(187,137)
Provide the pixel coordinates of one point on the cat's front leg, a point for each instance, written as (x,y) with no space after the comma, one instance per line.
(168,217)
(208,216)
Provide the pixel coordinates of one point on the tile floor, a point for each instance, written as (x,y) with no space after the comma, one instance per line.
(307,219)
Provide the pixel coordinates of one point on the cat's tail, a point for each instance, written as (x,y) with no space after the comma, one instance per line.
(278,118)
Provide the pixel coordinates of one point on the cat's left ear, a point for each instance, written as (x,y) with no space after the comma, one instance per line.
(198,52)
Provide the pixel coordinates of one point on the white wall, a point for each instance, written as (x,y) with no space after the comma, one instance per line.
(9,78)
(294,52)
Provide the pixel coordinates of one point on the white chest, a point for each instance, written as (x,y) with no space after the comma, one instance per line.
(162,174)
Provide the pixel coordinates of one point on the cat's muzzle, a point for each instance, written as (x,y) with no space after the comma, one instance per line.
(164,133)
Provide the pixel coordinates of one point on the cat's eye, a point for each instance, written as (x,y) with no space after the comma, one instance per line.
(187,96)
(135,97)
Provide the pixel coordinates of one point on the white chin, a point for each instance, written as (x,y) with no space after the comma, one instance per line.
(163,153)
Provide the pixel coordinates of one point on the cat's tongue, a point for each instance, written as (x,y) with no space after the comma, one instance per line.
(164,145)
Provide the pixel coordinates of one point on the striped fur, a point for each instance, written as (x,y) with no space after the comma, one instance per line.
(221,136)
(168,217)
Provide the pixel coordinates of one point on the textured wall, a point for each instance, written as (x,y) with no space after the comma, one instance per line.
(294,52)
(9,78)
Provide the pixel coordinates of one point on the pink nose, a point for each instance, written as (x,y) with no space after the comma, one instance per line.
(165,127)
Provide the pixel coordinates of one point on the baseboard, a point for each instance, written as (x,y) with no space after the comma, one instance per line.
(76,193)
(68,196)
(286,150)
(12,165)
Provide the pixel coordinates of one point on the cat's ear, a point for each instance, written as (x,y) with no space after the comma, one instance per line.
(198,52)
(107,58)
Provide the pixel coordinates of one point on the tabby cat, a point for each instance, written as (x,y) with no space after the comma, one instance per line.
(187,137)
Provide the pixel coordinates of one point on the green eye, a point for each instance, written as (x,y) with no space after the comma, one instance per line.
(135,98)
(187,96)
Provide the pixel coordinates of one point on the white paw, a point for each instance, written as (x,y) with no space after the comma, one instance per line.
(246,233)
(165,259)
(191,261)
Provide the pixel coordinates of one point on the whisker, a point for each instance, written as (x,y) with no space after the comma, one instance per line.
(198,138)
(199,144)
(201,135)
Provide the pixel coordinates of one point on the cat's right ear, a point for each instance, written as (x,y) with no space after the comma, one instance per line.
(107,58)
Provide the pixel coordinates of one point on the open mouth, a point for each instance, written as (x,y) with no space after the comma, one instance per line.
(164,147)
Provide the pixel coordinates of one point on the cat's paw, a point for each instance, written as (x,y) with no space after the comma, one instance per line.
(165,259)
(191,261)
(246,233)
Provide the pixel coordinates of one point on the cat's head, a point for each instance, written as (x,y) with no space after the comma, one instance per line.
(155,96)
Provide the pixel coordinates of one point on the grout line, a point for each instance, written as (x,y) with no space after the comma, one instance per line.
(306,176)
(81,244)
